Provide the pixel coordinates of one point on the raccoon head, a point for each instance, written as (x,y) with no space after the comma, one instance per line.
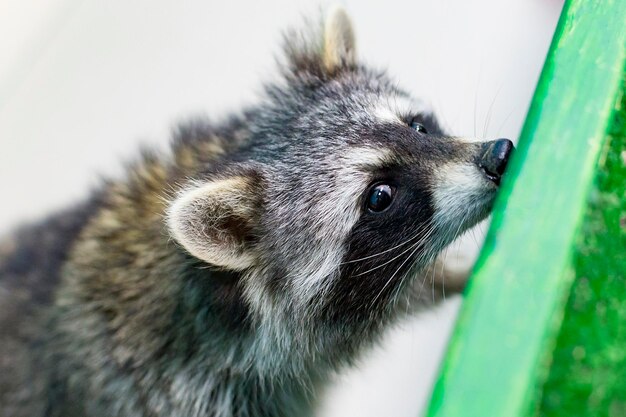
(346,189)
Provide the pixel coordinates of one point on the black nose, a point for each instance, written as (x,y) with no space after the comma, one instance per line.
(493,158)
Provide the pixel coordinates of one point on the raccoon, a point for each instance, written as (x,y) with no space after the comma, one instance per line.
(234,274)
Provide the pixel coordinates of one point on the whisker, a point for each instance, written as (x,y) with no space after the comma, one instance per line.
(444,257)
(446,253)
(480,73)
(506,119)
(473,234)
(432,281)
(413,246)
(417,234)
(392,276)
(423,281)
(443,276)
(489,112)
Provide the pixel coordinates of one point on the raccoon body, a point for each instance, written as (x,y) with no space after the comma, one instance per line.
(232,275)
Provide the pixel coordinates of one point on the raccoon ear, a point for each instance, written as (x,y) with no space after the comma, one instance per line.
(213,222)
(339,43)
(321,50)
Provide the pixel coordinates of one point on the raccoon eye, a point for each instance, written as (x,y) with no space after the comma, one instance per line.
(380,197)
(417,126)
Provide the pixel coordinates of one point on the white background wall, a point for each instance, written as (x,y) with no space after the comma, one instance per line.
(83,82)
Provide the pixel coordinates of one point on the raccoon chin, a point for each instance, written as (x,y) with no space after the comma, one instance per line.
(462,197)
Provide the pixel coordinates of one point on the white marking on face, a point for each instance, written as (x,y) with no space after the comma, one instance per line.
(336,215)
(384,113)
(462,197)
(396,108)
(464,139)
(359,157)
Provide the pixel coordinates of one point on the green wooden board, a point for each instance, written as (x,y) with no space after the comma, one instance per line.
(546,222)
(588,374)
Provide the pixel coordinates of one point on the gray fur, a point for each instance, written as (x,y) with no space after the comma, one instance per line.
(233,275)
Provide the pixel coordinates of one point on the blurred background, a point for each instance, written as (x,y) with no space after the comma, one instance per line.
(84,82)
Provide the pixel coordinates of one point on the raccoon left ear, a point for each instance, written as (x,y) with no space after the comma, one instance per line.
(339,42)
(213,222)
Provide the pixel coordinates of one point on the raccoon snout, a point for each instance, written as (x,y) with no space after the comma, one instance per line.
(493,158)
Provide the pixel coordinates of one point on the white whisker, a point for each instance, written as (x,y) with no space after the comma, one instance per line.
(417,234)
(392,276)
(413,246)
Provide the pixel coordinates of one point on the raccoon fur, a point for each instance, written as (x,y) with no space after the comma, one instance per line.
(234,274)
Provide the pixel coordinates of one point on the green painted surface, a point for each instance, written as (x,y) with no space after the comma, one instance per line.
(588,375)
(502,347)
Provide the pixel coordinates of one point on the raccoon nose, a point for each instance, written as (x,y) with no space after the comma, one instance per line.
(493,158)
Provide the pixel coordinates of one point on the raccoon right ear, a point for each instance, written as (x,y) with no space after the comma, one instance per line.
(322,51)
(213,222)
(339,42)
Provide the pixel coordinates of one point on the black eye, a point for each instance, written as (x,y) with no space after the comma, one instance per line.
(417,126)
(380,197)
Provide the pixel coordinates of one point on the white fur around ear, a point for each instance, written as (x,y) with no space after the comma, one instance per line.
(339,41)
(212,222)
